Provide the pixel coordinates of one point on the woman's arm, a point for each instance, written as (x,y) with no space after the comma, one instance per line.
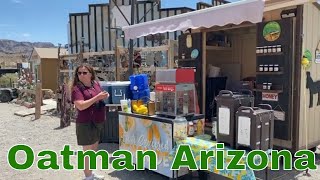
(82,104)
(79,101)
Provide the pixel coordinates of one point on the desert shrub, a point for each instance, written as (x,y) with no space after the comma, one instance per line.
(6,79)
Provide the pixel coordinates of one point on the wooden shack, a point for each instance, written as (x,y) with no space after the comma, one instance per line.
(276,51)
(44,65)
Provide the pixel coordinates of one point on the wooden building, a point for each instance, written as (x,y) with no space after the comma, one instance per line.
(44,65)
(101,26)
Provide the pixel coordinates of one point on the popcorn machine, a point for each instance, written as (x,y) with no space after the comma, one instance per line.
(175,92)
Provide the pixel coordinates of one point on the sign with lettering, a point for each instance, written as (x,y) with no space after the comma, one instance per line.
(270,97)
(145,134)
(167,88)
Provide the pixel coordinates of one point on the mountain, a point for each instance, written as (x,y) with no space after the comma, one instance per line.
(14,47)
(12,51)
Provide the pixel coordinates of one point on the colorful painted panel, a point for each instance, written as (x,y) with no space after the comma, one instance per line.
(145,134)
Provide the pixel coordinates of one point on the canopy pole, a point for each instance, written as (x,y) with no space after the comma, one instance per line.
(130,69)
(204,72)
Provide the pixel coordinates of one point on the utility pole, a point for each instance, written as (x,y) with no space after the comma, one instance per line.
(133,3)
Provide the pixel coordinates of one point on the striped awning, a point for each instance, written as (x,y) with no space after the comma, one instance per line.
(230,13)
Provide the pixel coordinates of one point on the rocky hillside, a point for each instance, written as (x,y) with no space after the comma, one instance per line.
(12,51)
(14,47)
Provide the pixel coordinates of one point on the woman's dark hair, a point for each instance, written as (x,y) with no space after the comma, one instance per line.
(89,68)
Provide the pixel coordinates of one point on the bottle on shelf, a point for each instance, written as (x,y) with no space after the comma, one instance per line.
(271,67)
(279,48)
(265,86)
(261,68)
(274,49)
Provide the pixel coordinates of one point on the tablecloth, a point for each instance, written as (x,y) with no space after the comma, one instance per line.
(198,143)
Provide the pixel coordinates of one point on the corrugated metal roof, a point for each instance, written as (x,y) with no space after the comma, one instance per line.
(49,53)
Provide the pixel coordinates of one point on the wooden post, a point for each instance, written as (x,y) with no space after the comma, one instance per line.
(171,62)
(131,49)
(38,100)
(118,63)
(204,72)
(116,55)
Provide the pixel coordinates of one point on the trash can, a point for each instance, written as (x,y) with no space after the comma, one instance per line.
(227,104)
(254,126)
(110,132)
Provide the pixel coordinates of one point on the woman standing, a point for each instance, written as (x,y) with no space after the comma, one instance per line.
(87,95)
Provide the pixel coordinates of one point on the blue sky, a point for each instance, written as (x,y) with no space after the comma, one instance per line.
(46,21)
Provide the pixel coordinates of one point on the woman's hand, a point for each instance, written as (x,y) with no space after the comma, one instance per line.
(102,95)
(82,105)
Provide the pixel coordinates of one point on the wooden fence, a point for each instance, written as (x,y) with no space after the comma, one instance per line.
(111,66)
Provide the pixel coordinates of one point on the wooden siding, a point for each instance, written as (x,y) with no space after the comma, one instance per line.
(310,116)
(49,74)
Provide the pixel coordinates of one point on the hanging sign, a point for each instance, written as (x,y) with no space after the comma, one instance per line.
(194,53)
(271,31)
(270,97)
(307,59)
(317,58)
(189,41)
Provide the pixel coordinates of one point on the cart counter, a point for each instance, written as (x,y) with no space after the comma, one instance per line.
(141,132)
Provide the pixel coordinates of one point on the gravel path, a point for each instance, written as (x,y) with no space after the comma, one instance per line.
(44,134)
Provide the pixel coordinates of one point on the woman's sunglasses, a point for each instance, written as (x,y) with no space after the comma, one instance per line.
(84,73)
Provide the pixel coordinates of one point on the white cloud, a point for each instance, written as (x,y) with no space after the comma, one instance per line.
(16,1)
(26,35)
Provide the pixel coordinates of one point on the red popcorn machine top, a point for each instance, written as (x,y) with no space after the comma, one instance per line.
(175,92)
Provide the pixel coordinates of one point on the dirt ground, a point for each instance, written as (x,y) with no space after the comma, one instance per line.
(44,134)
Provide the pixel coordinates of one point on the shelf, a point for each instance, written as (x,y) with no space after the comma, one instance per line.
(144,69)
(219,48)
(104,69)
(268,91)
(184,60)
(66,71)
(112,105)
(270,54)
(270,73)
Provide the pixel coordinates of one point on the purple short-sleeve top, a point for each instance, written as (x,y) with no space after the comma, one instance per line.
(81,92)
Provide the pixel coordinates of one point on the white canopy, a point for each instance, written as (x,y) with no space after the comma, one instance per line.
(230,13)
